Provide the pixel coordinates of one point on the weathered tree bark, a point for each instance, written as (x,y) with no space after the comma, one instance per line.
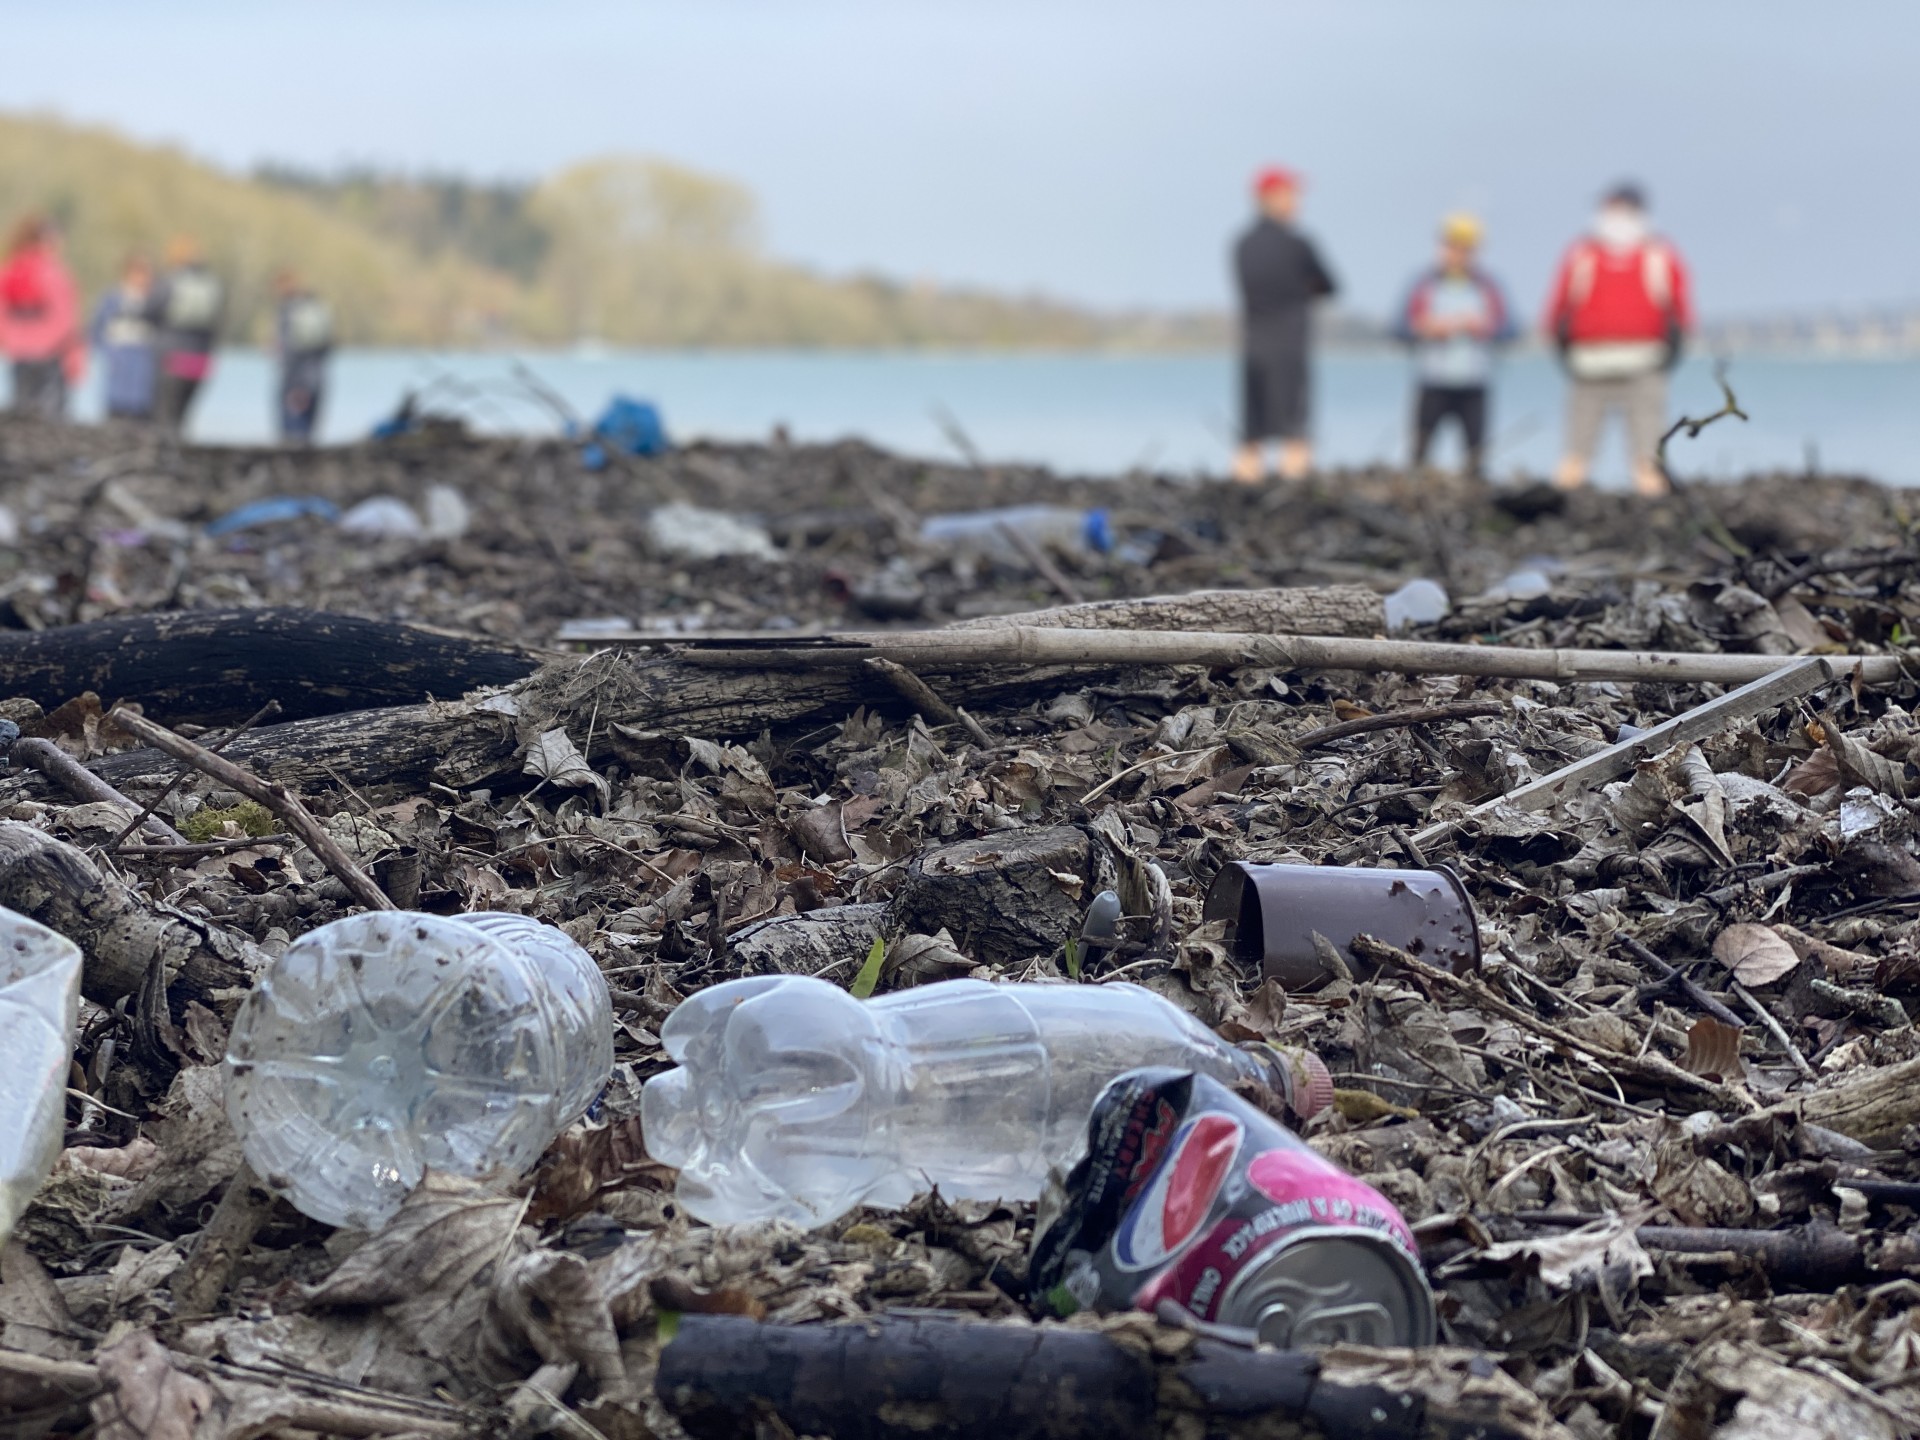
(1315,610)
(205,665)
(120,935)
(1876,1108)
(947,1380)
(1005,897)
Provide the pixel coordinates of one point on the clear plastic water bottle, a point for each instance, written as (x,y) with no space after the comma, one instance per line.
(982,533)
(388,1043)
(39,1003)
(794,1101)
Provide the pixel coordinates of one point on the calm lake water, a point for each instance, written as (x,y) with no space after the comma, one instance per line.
(1088,412)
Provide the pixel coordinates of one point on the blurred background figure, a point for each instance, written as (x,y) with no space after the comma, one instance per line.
(302,340)
(187,305)
(1454,318)
(1280,276)
(1620,311)
(40,321)
(123,333)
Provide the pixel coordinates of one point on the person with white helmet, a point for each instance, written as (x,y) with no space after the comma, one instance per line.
(1454,319)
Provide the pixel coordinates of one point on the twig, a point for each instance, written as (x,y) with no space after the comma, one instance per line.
(1398,720)
(265,712)
(1774,1028)
(1042,563)
(276,797)
(1706,519)
(1671,978)
(73,777)
(1649,1069)
(1760,885)
(236,1220)
(1138,765)
(923,698)
(194,852)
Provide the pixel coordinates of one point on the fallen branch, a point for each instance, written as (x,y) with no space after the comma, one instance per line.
(81,783)
(121,936)
(274,796)
(1038,645)
(1652,1070)
(921,696)
(928,1379)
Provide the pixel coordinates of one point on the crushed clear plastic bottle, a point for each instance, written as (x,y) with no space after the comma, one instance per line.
(39,1003)
(794,1101)
(389,1043)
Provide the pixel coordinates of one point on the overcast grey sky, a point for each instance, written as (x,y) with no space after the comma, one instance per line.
(1096,150)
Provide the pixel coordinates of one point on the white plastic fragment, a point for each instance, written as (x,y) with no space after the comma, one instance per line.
(39,1004)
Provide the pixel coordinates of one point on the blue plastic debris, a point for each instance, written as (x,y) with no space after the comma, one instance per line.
(632,427)
(272,511)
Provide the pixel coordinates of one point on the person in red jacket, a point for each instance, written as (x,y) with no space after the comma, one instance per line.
(1619,312)
(39,321)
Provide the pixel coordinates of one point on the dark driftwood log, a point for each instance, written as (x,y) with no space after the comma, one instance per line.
(460,744)
(204,665)
(947,1380)
(119,934)
(1002,897)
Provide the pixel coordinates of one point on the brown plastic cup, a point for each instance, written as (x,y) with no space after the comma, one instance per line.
(1274,911)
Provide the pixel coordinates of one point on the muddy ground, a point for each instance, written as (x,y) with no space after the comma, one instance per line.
(1640,1218)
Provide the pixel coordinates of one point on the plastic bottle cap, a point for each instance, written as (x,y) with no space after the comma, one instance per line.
(1315,1082)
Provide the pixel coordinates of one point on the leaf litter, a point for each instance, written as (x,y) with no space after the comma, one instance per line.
(1659,1222)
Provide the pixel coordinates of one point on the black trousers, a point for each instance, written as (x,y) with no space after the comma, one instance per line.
(1465,403)
(173,397)
(1274,393)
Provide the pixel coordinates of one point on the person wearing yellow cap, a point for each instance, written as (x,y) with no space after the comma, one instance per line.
(1455,318)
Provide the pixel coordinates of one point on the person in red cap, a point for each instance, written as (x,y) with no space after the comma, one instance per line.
(1619,312)
(1280,277)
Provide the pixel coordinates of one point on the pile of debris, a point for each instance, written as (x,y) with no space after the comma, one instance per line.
(1657,1143)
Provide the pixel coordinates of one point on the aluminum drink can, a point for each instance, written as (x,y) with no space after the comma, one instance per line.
(1190,1194)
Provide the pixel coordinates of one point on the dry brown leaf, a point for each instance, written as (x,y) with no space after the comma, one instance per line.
(1815,775)
(552,1300)
(34,1318)
(556,759)
(1756,954)
(1862,766)
(821,834)
(1713,1048)
(1225,783)
(445,1232)
(147,1398)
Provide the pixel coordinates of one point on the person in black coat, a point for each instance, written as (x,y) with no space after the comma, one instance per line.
(1280,276)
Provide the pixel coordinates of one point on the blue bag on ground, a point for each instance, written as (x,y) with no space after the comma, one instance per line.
(633,427)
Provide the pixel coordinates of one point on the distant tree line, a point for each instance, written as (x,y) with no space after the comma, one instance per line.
(624,250)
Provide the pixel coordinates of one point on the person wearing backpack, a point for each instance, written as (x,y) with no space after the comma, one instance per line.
(1619,312)
(1454,320)
(303,339)
(40,321)
(123,333)
(187,305)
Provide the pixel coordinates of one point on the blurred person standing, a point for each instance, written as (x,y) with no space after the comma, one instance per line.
(1454,318)
(1620,311)
(40,321)
(1280,276)
(187,305)
(123,333)
(302,339)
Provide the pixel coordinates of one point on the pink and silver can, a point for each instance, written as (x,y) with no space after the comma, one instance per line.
(1189,1194)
